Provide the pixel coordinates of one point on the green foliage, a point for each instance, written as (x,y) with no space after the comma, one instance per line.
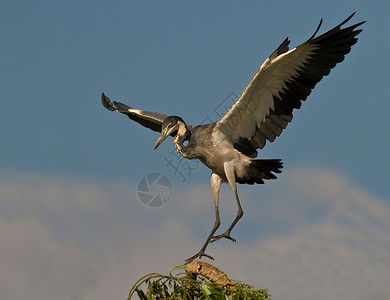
(180,287)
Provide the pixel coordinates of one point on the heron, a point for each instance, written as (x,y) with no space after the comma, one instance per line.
(262,111)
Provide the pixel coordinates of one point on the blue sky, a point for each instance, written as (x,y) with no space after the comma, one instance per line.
(179,59)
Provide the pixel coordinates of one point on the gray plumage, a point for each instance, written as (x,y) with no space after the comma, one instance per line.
(263,110)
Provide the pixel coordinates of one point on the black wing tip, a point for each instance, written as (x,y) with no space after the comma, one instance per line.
(107,103)
(283,48)
(353,26)
(315,32)
(121,107)
(347,19)
(114,105)
(338,27)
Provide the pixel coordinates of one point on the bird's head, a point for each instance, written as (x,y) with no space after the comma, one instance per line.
(170,126)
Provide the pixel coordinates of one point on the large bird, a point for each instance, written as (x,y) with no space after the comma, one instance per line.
(229,146)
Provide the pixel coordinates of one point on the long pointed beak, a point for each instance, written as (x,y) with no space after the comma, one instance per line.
(160,139)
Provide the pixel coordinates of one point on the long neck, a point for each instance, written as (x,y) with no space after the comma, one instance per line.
(182,135)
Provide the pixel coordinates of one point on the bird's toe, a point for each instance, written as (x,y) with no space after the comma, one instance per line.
(198,255)
(223,235)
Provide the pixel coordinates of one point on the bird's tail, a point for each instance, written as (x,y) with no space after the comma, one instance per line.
(260,169)
(267,166)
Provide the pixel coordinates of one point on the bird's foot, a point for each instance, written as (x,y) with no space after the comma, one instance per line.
(198,255)
(223,235)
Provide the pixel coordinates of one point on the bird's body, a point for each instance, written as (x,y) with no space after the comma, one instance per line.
(217,150)
(263,110)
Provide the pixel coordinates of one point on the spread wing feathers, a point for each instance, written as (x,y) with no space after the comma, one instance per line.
(285,79)
(148,119)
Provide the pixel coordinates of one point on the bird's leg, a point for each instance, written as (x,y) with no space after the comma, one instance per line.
(215,186)
(238,217)
(232,181)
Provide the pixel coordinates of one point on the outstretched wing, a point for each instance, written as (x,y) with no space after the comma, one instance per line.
(148,119)
(285,79)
